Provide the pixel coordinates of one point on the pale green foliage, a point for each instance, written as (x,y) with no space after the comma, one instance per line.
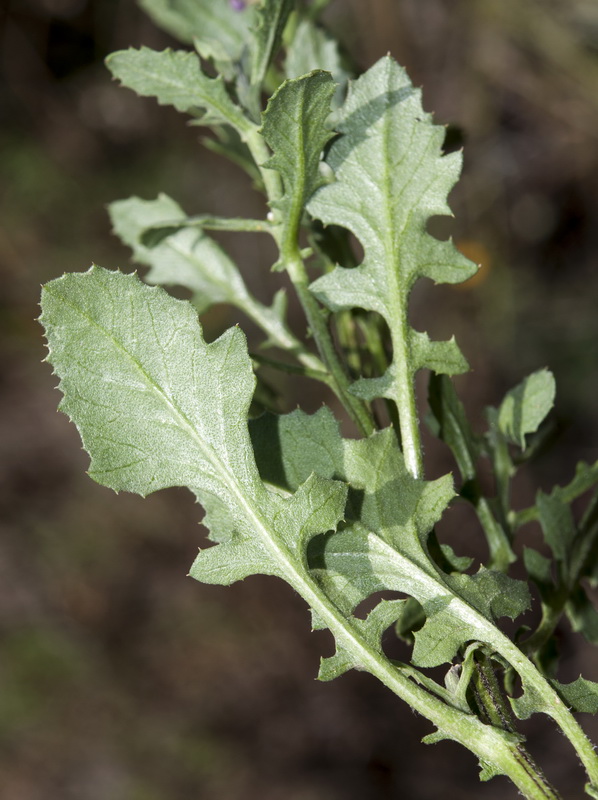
(272,16)
(391,147)
(187,257)
(216,29)
(526,406)
(175,78)
(339,519)
(295,129)
(156,407)
(311,48)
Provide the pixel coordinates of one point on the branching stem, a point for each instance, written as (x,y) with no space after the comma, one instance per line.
(316,316)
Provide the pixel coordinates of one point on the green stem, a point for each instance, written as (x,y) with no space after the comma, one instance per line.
(347,337)
(318,375)
(494,708)
(582,558)
(281,336)
(551,616)
(206,222)
(260,154)
(286,238)
(425,587)
(550,703)
(501,552)
(404,397)
(492,746)
(317,321)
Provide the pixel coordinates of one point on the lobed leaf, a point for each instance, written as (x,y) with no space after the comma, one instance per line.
(190,258)
(175,78)
(383,543)
(187,257)
(580,695)
(156,406)
(389,145)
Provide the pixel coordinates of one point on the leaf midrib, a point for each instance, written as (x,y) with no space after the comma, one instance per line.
(280,552)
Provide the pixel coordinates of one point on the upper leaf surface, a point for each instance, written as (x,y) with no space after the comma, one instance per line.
(175,78)
(272,16)
(390,179)
(156,406)
(294,126)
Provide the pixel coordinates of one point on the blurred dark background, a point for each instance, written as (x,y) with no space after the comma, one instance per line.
(122,679)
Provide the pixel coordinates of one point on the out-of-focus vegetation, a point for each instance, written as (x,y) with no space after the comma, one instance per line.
(115,680)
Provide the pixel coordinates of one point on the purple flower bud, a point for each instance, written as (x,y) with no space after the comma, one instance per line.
(237,5)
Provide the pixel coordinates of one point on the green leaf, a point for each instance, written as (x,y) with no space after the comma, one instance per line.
(391,178)
(383,544)
(310,49)
(145,395)
(186,258)
(586,476)
(453,427)
(581,695)
(156,406)
(218,30)
(538,567)
(526,406)
(272,16)
(583,615)
(294,127)
(449,422)
(190,258)
(558,525)
(389,143)
(371,629)
(175,78)
(289,448)
(455,562)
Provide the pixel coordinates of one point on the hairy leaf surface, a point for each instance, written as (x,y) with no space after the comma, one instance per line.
(187,257)
(310,49)
(294,126)
(271,18)
(175,78)
(391,178)
(156,406)
(383,544)
(190,258)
